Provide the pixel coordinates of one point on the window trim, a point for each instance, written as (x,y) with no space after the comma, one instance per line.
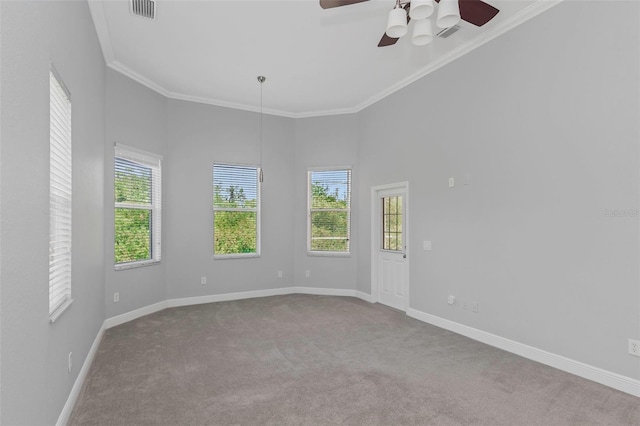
(57,309)
(258,211)
(153,161)
(321,253)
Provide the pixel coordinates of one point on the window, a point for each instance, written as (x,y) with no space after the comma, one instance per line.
(60,190)
(138,207)
(392,223)
(329,217)
(236,211)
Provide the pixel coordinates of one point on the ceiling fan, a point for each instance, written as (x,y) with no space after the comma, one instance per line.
(450,12)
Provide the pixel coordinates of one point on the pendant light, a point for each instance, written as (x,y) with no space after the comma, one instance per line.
(261,79)
(422,32)
(448,13)
(421,9)
(397,22)
(419,13)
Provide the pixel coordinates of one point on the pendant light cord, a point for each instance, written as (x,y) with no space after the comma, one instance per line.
(261,79)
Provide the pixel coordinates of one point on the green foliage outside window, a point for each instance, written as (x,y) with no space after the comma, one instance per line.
(133,222)
(235,221)
(132,235)
(329,228)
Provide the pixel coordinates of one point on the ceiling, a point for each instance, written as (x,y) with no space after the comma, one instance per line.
(316,61)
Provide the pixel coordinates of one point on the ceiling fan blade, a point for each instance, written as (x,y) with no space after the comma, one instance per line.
(389,41)
(328,4)
(476,12)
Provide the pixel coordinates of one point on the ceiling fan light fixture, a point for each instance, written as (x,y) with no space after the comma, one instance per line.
(421,9)
(397,22)
(448,13)
(422,32)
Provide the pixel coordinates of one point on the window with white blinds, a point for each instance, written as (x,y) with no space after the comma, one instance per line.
(236,211)
(138,207)
(329,211)
(60,190)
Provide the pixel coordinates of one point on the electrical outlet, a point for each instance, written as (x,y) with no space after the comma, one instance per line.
(70,361)
(474,307)
(203,280)
(634,347)
(280,274)
(116,297)
(307,274)
(451,300)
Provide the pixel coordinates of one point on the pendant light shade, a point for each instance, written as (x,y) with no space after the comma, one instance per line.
(422,32)
(448,13)
(397,23)
(421,9)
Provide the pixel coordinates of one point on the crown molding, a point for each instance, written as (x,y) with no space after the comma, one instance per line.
(124,70)
(102,30)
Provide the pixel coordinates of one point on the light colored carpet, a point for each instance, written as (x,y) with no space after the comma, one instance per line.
(306,360)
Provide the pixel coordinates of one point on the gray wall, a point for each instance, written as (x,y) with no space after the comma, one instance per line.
(544,121)
(330,141)
(192,137)
(198,136)
(35,381)
(135,116)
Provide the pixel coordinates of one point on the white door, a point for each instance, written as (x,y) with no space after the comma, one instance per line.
(391,251)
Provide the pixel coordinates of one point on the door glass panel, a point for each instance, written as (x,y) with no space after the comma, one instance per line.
(392,223)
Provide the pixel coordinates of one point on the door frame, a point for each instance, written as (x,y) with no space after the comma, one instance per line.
(376,225)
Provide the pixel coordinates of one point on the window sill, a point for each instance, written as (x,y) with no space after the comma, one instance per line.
(235,256)
(132,265)
(56,314)
(328,254)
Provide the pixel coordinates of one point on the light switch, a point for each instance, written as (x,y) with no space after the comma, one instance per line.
(452,182)
(426,245)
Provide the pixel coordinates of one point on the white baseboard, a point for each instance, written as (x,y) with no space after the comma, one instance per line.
(333,292)
(364,296)
(186,301)
(198,300)
(319,291)
(82,375)
(607,378)
(130,316)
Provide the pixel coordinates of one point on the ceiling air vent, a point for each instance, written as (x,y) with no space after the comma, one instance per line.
(448,31)
(144,8)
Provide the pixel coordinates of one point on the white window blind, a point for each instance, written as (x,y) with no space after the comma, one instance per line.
(60,190)
(138,207)
(236,210)
(329,212)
